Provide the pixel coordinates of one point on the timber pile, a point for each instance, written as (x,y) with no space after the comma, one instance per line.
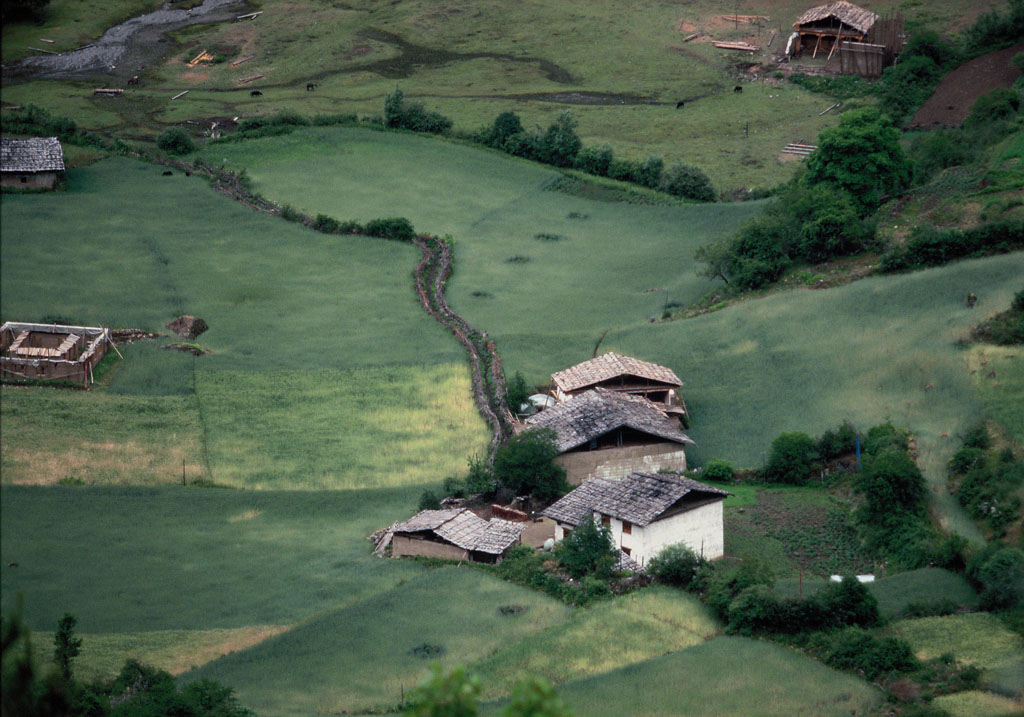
(804,150)
(251,78)
(108,91)
(203,56)
(236,63)
(749,19)
(746,46)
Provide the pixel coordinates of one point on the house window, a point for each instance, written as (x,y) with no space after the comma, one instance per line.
(627,551)
(627,527)
(606,520)
(566,532)
(24,180)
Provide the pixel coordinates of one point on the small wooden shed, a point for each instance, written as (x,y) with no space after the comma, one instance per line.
(457,534)
(823,28)
(36,163)
(52,352)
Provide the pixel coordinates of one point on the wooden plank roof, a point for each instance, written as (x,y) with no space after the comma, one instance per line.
(608,366)
(847,13)
(465,529)
(640,498)
(594,413)
(38,154)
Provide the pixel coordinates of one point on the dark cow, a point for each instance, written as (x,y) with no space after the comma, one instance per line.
(737,88)
(310,86)
(168,173)
(134,80)
(680,103)
(255,93)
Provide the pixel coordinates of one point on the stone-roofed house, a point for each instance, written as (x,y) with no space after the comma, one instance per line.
(604,433)
(646,512)
(624,374)
(35,163)
(457,533)
(821,28)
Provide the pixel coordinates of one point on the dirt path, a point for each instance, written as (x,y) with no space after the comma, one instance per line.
(126,49)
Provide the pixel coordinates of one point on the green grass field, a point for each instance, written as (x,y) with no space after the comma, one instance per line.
(363,656)
(979,639)
(625,630)
(323,372)
(727,676)
(895,592)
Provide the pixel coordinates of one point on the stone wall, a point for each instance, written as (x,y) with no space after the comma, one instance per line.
(28,180)
(620,462)
(402,545)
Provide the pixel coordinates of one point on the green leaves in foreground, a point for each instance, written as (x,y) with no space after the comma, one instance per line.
(455,694)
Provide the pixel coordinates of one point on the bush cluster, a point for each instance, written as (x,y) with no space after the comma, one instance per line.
(397,228)
(1006,328)
(561,146)
(930,246)
(987,482)
(858,650)
(412,115)
(525,566)
(795,457)
(756,609)
(175,141)
(525,465)
(997,572)
(994,29)
(32,120)
(675,565)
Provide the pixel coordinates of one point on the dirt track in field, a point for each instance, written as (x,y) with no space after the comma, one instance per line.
(951,102)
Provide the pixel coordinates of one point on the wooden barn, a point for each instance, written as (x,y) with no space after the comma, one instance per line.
(610,434)
(646,512)
(822,29)
(624,374)
(52,352)
(458,534)
(36,163)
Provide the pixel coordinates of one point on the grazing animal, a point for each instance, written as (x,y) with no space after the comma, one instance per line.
(188,174)
(134,80)
(255,93)
(737,88)
(310,86)
(972,299)
(680,104)
(168,173)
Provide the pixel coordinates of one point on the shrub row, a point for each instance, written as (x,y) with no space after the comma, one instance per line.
(929,246)
(561,146)
(400,114)
(33,120)
(986,482)
(756,609)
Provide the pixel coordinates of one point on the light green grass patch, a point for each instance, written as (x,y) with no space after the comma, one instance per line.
(361,657)
(138,559)
(621,631)
(927,585)
(360,428)
(50,435)
(998,373)
(979,639)
(727,676)
(976,703)
(176,651)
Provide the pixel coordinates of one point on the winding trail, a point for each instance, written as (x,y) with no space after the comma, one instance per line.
(431,273)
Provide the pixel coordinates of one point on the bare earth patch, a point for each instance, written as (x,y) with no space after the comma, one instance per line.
(107,462)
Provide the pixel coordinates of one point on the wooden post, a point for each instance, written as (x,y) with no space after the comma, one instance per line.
(183,471)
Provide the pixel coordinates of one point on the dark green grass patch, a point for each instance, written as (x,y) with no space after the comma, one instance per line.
(132,559)
(364,656)
(927,585)
(732,675)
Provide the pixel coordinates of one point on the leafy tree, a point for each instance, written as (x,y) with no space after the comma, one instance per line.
(65,645)
(429,500)
(441,694)
(506,125)
(525,464)
(719,469)
(894,494)
(675,565)
(412,115)
(560,143)
(998,573)
(479,479)
(595,160)
(862,155)
(682,180)
(535,697)
(885,437)
(517,393)
(999,104)
(23,691)
(848,603)
(15,10)
(588,550)
(175,141)
(650,172)
(838,442)
(726,581)
(791,459)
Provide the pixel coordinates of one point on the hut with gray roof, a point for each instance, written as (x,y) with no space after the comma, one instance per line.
(36,163)
(608,434)
(457,533)
(624,374)
(646,512)
(823,28)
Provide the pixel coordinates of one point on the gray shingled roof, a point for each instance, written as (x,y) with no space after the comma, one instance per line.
(39,154)
(462,527)
(640,498)
(608,366)
(849,14)
(596,412)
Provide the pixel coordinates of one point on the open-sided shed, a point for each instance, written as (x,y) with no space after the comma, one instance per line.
(823,28)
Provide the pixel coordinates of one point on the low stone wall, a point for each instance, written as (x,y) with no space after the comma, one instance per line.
(620,462)
(28,180)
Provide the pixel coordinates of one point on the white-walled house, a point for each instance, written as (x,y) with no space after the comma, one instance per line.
(646,512)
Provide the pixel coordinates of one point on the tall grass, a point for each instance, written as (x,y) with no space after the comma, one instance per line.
(623,631)
(727,676)
(363,657)
(927,585)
